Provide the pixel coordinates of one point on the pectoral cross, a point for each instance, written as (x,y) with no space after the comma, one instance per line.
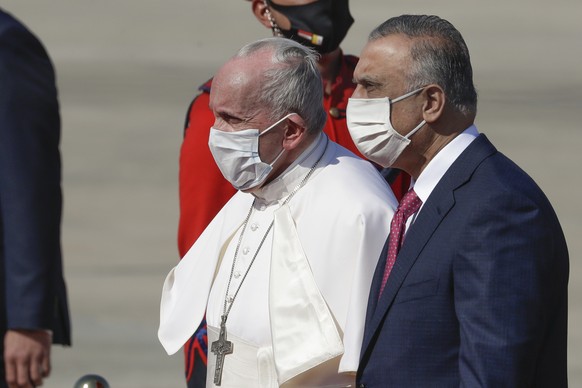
(221,347)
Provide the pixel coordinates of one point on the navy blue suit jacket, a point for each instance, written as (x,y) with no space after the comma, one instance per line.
(32,289)
(478,293)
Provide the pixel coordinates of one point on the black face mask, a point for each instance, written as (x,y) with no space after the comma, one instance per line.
(321,25)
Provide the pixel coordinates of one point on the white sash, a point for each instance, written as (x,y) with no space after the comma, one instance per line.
(304,332)
(247,366)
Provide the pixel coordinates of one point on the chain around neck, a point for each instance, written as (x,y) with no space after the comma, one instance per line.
(226,310)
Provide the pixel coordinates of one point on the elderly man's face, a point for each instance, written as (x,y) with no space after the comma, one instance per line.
(234,107)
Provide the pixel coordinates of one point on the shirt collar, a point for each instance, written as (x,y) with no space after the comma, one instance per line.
(438,166)
(279,188)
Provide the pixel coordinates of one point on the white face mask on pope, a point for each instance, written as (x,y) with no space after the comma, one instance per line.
(237,156)
(369,124)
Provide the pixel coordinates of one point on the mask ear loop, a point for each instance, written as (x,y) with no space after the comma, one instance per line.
(276,123)
(271,127)
(407,95)
(277,158)
(409,135)
(274,26)
(412,93)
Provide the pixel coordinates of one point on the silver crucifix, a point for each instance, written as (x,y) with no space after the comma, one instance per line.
(221,347)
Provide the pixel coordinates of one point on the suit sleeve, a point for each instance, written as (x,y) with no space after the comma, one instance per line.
(30,177)
(510,281)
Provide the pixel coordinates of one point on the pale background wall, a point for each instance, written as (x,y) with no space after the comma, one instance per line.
(127,70)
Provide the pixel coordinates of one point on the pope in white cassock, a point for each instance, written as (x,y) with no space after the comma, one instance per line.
(284,270)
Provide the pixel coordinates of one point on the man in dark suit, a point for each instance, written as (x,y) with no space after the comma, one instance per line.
(33,304)
(476,293)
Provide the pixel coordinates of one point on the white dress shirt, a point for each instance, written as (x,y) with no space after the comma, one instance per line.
(439,165)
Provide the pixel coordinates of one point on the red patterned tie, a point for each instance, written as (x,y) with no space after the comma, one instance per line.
(408,206)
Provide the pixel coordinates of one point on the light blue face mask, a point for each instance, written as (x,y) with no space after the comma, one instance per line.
(237,156)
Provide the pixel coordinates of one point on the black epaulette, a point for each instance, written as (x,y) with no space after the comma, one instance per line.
(204,88)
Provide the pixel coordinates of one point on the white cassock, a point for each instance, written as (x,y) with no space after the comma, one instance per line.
(298,317)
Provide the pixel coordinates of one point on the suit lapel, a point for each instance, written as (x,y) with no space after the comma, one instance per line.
(376,280)
(416,238)
(439,203)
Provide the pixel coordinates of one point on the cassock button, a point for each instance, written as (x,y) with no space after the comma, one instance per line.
(246,250)
(334,112)
(236,274)
(254,226)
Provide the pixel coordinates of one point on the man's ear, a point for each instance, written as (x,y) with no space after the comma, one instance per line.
(260,10)
(434,104)
(295,132)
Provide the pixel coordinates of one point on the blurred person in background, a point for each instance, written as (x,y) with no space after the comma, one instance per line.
(33,310)
(319,24)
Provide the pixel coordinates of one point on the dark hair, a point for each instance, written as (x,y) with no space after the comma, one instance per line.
(439,56)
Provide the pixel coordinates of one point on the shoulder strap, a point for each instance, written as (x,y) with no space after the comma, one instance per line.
(204,88)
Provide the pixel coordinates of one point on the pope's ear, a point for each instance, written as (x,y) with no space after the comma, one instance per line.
(295,132)
(260,11)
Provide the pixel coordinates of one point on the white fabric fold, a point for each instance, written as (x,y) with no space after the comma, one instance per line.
(303,329)
(184,299)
